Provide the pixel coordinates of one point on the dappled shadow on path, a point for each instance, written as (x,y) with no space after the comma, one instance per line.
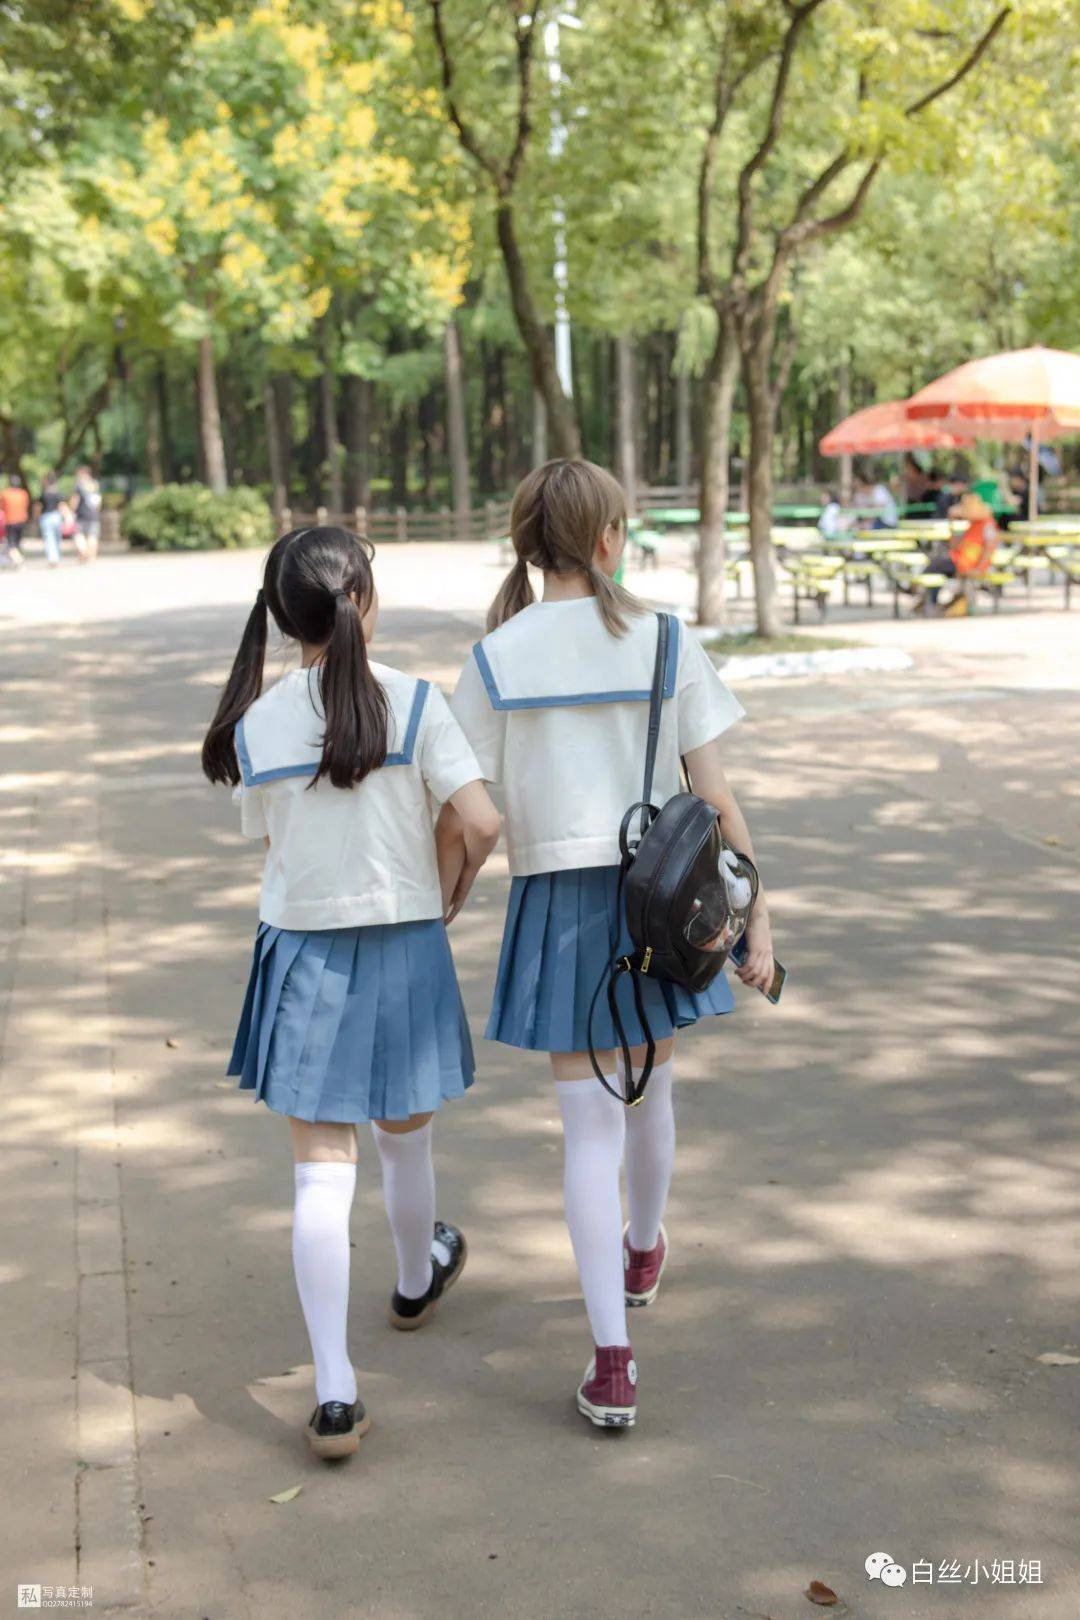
(874,1220)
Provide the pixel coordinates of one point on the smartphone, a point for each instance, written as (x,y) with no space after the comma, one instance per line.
(779,978)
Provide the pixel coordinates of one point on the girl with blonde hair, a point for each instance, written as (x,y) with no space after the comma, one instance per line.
(555,701)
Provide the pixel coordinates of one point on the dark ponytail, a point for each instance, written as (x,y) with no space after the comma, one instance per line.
(241,689)
(354,703)
(318,586)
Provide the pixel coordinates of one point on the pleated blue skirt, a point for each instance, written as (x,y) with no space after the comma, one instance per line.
(353,1024)
(561,931)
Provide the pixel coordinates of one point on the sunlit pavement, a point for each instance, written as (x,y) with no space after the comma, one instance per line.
(874,1223)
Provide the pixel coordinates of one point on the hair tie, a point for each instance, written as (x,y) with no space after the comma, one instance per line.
(341,591)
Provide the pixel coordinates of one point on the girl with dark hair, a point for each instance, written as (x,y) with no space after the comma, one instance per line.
(555,702)
(352,1012)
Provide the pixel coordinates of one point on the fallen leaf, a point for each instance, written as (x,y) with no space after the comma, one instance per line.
(1058,1358)
(1052,838)
(818,1592)
(289,1495)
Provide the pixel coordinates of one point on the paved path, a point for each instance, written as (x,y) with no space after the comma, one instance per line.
(875,1218)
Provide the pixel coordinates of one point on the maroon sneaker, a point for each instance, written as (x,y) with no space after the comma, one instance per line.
(643,1269)
(607,1393)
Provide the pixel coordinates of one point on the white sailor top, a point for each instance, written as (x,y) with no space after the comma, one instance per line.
(556,708)
(348,857)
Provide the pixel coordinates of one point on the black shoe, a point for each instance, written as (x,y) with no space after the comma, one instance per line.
(407,1314)
(335,1427)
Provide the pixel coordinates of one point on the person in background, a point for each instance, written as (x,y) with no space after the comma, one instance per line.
(953,489)
(831,522)
(15,502)
(967,552)
(935,483)
(88,514)
(68,522)
(1019,493)
(50,522)
(915,480)
(871,490)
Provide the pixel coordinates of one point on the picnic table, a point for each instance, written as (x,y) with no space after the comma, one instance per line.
(672,517)
(1053,541)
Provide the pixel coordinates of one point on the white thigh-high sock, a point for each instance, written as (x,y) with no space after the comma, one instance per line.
(409,1191)
(593,1131)
(650,1155)
(324,1195)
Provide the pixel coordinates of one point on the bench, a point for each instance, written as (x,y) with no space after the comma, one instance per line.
(812,575)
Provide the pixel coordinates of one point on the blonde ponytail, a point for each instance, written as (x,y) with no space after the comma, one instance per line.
(514,593)
(559,513)
(614,601)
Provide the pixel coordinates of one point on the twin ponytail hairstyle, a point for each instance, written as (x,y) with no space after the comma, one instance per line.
(560,511)
(317,585)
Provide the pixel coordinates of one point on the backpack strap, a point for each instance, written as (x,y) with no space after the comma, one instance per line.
(620,966)
(617,968)
(656,700)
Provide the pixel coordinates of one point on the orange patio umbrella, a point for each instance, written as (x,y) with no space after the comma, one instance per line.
(1037,388)
(880,428)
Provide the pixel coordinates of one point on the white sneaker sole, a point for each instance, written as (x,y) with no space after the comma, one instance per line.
(606,1417)
(647,1298)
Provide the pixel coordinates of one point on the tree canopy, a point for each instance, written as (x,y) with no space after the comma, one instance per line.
(267,216)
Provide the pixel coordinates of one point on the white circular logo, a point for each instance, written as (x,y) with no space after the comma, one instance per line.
(893,1575)
(631,1370)
(876,1563)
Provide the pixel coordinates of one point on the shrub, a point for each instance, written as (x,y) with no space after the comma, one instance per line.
(189,517)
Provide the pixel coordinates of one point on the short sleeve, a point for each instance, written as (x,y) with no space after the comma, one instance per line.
(482,723)
(446,760)
(706,706)
(252,814)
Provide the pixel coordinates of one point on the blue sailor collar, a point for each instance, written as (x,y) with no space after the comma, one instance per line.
(541,660)
(281,734)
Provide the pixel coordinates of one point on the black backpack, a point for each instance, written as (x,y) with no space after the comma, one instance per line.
(687,895)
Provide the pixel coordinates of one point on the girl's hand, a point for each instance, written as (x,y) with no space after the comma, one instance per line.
(450,851)
(470,830)
(757,969)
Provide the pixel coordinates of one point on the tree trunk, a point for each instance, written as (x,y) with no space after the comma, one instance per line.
(357,442)
(625,424)
(843,406)
(311,449)
(761,410)
(431,443)
(399,458)
(492,471)
(213,446)
(455,430)
(278,493)
(539,434)
(335,493)
(161,393)
(561,417)
(682,431)
(720,381)
(485,459)
(232,422)
(282,384)
(153,436)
